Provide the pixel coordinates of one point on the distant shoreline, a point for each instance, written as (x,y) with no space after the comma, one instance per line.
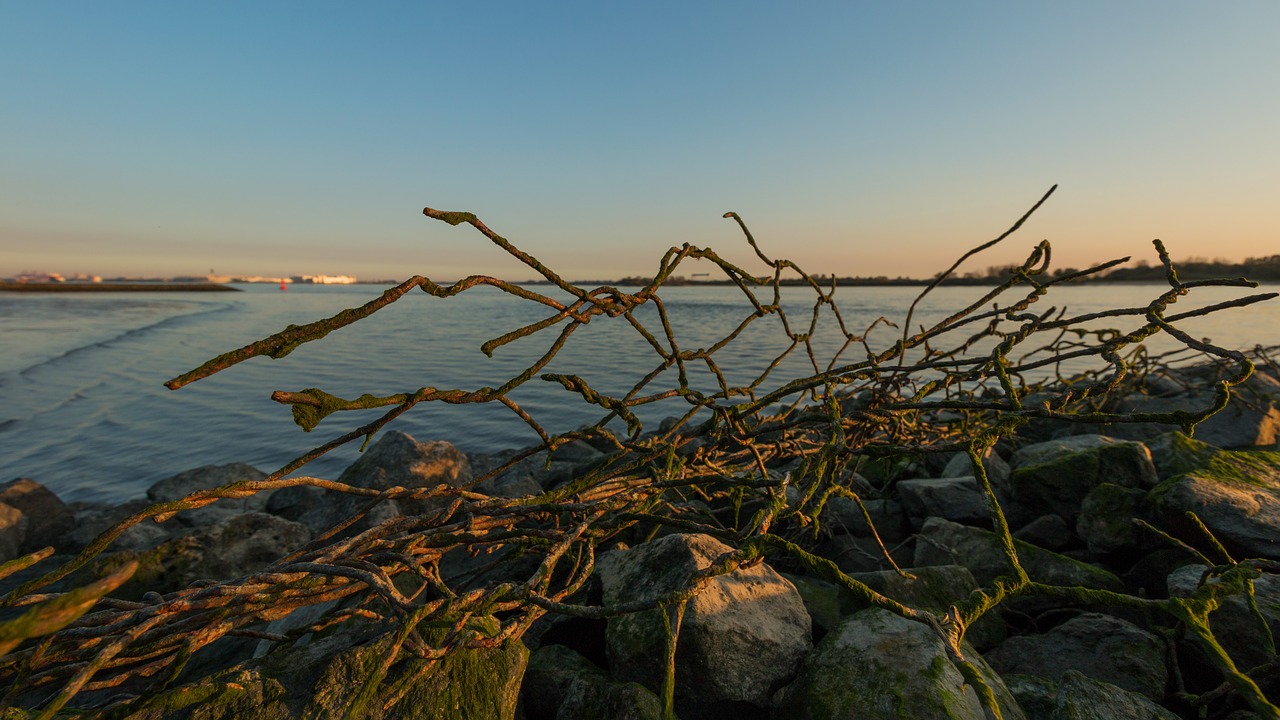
(56,287)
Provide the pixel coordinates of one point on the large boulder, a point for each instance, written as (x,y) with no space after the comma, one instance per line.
(560,684)
(879,666)
(1251,418)
(1102,647)
(1237,496)
(959,499)
(934,588)
(1075,696)
(995,466)
(943,542)
(330,678)
(1056,476)
(1106,520)
(239,545)
(1240,632)
(396,460)
(13,531)
(49,520)
(743,635)
(210,477)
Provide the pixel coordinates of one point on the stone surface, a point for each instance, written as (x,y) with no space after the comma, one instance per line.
(49,519)
(877,666)
(395,460)
(209,477)
(854,554)
(997,469)
(1106,520)
(1237,629)
(1101,646)
(1055,476)
(943,542)
(742,637)
(1251,417)
(842,515)
(1080,697)
(239,545)
(934,588)
(1237,496)
(13,531)
(958,499)
(1050,532)
(560,684)
(92,520)
(325,679)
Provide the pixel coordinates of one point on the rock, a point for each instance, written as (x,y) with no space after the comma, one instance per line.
(1236,628)
(1106,521)
(958,499)
(1235,493)
(1055,476)
(742,636)
(49,520)
(1100,646)
(91,520)
(934,588)
(520,480)
(821,600)
(1251,417)
(877,665)
(854,554)
(13,531)
(1036,695)
(209,477)
(1080,697)
(396,460)
(560,684)
(943,542)
(997,469)
(239,545)
(843,515)
(325,679)
(1050,532)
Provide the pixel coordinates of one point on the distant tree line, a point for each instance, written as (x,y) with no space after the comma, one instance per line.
(1194,268)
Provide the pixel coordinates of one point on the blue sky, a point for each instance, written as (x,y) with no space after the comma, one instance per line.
(855,138)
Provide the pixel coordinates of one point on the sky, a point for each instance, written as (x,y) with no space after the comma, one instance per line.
(855,138)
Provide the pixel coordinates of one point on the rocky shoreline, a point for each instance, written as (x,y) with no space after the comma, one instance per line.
(773,638)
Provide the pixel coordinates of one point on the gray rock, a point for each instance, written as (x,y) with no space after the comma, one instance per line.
(91,520)
(396,460)
(1036,695)
(239,545)
(958,499)
(1236,628)
(1050,532)
(49,519)
(855,554)
(943,542)
(996,467)
(1237,496)
(877,665)
(1080,697)
(560,684)
(821,600)
(1100,646)
(742,635)
(13,531)
(324,679)
(1251,418)
(1106,521)
(842,515)
(210,477)
(1055,476)
(934,588)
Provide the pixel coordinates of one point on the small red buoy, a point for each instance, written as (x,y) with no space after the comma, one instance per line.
(283,286)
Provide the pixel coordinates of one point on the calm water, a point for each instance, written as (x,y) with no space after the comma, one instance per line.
(83,408)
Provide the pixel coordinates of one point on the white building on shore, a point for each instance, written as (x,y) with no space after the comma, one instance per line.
(325,279)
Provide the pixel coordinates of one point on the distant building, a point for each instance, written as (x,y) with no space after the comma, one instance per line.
(325,279)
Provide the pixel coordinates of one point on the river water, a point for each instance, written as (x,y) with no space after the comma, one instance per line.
(83,408)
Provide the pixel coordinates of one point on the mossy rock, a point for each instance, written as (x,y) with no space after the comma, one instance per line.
(335,676)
